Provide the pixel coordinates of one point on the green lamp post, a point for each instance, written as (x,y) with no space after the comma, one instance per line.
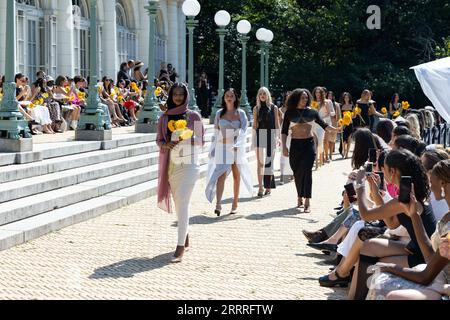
(149,116)
(269,38)
(94,122)
(191,9)
(261,36)
(14,132)
(243,28)
(222,19)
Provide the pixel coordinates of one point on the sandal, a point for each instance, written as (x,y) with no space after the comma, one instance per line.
(268,193)
(260,194)
(218,211)
(307,210)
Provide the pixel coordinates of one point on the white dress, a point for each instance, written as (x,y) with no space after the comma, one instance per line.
(223,155)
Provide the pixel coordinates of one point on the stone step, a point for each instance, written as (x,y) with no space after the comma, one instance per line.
(54,150)
(81,185)
(19,232)
(54,181)
(24,171)
(52,165)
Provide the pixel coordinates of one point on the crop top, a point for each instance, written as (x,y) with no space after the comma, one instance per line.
(297,116)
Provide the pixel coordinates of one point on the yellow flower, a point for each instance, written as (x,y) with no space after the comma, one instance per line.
(397,114)
(67,89)
(36,102)
(158,91)
(116,90)
(187,134)
(384,110)
(358,110)
(100,89)
(81,95)
(41,101)
(120,99)
(172,126)
(314,105)
(45,95)
(181,124)
(405,105)
(31,106)
(341,122)
(347,120)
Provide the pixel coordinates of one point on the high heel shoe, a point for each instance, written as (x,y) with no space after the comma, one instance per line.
(178,256)
(218,211)
(261,194)
(234,211)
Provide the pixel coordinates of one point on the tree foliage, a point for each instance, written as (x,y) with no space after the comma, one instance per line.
(324,42)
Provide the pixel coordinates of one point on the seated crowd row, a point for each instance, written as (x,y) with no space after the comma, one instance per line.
(390,238)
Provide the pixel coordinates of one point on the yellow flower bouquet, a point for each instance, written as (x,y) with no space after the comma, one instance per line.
(179,130)
(315,105)
(384,111)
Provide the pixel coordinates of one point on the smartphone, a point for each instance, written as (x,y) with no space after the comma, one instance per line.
(381,175)
(373,155)
(351,192)
(404,195)
(369,168)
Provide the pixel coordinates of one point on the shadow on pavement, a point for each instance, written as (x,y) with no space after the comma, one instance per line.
(128,268)
(337,294)
(212,219)
(288,213)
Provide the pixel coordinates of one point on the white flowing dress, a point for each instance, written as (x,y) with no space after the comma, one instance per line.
(224,155)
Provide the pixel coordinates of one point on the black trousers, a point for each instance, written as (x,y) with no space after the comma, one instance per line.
(266,139)
(302,158)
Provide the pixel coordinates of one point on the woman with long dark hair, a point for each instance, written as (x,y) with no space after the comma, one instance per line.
(365,253)
(299,122)
(346,141)
(326,112)
(394,105)
(427,281)
(228,152)
(178,161)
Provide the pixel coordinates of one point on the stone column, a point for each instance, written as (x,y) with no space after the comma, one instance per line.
(2,36)
(65,40)
(172,37)
(181,65)
(110,59)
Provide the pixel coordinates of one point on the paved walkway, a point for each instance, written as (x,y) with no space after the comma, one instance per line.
(259,254)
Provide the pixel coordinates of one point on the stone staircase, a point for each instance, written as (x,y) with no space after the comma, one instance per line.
(71,182)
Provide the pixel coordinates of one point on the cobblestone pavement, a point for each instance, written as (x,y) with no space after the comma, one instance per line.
(259,254)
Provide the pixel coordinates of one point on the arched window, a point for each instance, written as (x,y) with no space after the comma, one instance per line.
(126,37)
(30,34)
(80,10)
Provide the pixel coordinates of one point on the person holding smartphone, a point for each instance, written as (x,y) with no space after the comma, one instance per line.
(398,163)
(429,281)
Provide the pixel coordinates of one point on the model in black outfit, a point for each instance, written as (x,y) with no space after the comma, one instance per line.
(298,121)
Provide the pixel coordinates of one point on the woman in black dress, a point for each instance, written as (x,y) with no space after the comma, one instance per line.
(299,122)
(266,125)
(346,141)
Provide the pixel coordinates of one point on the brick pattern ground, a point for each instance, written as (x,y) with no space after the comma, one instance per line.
(258,254)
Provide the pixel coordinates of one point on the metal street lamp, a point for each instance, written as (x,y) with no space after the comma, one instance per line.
(191,9)
(94,122)
(14,132)
(149,116)
(243,28)
(268,38)
(222,19)
(261,36)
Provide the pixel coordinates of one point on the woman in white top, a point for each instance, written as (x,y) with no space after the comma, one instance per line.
(228,152)
(326,111)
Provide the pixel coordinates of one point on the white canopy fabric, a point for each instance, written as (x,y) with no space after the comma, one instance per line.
(434,77)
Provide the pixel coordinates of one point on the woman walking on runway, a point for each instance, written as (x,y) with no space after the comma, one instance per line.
(180,136)
(228,152)
(299,121)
